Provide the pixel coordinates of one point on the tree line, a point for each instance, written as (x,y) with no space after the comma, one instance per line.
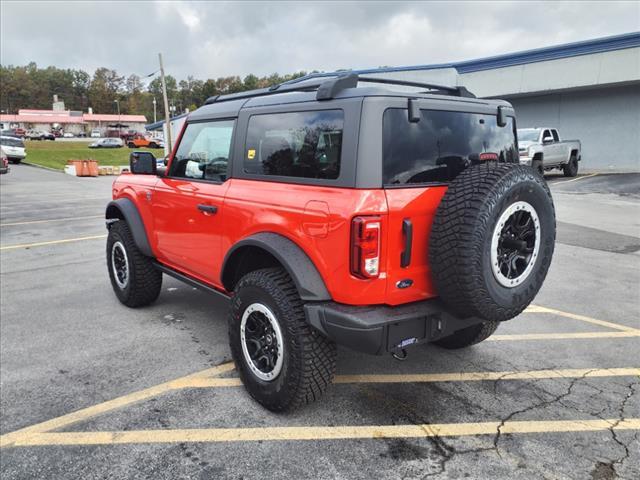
(32,87)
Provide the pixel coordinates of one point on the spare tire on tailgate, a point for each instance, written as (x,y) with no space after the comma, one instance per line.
(492,241)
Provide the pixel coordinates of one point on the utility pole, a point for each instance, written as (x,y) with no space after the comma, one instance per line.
(166,104)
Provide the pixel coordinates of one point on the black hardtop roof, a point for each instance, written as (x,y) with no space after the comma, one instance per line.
(320,89)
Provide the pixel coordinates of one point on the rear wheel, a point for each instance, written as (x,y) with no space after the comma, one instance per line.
(153,145)
(131,145)
(571,168)
(283,362)
(492,241)
(135,280)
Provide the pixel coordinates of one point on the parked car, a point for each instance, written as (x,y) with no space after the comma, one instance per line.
(33,135)
(543,149)
(331,214)
(68,135)
(140,141)
(4,163)
(95,133)
(81,135)
(13,148)
(107,143)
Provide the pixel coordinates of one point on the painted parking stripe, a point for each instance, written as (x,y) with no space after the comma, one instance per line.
(125,400)
(203,382)
(52,242)
(562,182)
(322,433)
(561,336)
(582,318)
(51,220)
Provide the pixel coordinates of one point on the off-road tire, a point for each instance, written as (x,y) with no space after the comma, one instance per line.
(461,235)
(570,169)
(468,336)
(309,358)
(145,281)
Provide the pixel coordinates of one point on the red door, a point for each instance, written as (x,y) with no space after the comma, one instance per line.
(189,219)
(188,203)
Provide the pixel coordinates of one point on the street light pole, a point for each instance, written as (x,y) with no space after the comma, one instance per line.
(117,102)
(155,119)
(166,104)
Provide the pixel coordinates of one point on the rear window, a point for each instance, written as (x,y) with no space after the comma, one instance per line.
(298,144)
(441,144)
(11,142)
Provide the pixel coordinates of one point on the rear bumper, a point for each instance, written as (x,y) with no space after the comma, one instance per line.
(378,329)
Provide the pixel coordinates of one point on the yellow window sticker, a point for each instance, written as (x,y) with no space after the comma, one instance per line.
(251,154)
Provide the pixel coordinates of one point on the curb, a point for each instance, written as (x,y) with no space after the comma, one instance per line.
(42,166)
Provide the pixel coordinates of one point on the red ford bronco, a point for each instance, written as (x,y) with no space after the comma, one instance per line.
(330,212)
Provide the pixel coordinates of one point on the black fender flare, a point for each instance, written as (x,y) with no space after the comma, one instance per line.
(125,209)
(304,273)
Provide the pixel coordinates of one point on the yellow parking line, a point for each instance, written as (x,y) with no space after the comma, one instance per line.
(52,242)
(85,413)
(203,382)
(321,433)
(582,318)
(33,222)
(578,178)
(562,336)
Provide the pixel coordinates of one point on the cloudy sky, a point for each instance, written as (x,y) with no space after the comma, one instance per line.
(207,39)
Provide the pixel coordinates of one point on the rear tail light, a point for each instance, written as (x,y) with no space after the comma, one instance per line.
(365,247)
(487,156)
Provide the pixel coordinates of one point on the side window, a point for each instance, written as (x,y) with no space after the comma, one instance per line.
(204,151)
(299,144)
(556,138)
(545,134)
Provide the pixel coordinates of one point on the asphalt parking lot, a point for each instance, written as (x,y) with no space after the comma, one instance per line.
(91,389)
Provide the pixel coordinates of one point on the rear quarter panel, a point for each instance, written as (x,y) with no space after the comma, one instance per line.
(317,219)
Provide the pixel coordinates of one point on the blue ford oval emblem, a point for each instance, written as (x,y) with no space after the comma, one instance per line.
(406,283)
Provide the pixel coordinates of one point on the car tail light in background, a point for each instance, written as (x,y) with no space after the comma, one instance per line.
(365,247)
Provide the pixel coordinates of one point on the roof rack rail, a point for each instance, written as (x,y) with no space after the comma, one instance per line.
(329,85)
(457,91)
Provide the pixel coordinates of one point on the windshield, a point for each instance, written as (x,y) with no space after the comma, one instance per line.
(528,134)
(11,142)
(441,144)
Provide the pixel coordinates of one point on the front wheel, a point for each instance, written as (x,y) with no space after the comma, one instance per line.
(135,280)
(153,145)
(283,362)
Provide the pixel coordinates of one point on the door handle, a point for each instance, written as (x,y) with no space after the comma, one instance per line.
(207,209)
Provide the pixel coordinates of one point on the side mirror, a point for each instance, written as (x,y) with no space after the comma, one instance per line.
(547,140)
(142,163)
(502,117)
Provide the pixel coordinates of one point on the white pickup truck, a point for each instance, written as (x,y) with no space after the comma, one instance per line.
(542,149)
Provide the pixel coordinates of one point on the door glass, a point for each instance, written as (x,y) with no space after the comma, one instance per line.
(204,151)
(556,138)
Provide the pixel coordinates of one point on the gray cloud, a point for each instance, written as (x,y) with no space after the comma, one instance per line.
(207,39)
